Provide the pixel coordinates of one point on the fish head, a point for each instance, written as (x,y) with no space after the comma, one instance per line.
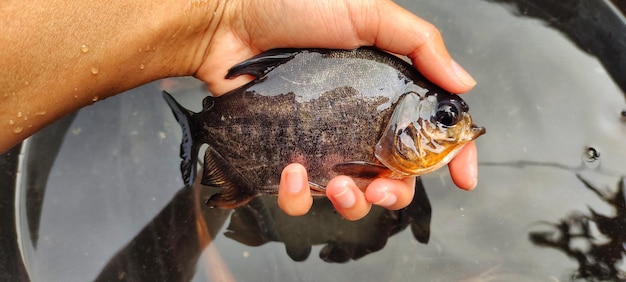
(425,132)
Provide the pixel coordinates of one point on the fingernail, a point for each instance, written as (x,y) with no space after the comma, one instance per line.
(294,181)
(387,201)
(345,198)
(473,182)
(462,74)
(473,177)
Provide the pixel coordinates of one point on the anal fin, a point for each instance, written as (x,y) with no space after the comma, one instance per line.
(236,190)
(316,189)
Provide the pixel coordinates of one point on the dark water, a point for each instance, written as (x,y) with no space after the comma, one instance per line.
(550,95)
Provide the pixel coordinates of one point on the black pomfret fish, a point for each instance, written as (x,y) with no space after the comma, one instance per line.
(362,113)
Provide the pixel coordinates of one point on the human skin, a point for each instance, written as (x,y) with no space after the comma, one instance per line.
(58,56)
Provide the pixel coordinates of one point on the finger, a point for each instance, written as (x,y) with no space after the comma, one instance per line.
(220,58)
(294,195)
(401,32)
(464,167)
(348,200)
(390,193)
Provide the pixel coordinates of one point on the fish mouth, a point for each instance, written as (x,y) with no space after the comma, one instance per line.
(476,131)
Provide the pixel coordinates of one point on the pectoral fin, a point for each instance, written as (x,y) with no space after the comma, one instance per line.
(362,170)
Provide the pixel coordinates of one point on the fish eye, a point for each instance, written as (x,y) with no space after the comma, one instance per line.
(448,113)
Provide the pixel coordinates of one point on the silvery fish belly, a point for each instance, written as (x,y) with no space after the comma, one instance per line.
(362,113)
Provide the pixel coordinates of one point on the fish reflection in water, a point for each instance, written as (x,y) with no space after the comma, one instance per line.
(169,247)
(604,235)
(261,221)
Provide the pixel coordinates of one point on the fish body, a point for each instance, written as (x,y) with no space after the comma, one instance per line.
(363,113)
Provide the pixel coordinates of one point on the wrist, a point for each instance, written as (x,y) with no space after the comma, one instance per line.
(182,38)
(87,51)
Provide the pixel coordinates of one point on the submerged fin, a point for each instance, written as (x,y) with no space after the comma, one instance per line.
(262,63)
(362,170)
(419,213)
(188,147)
(235,191)
(249,224)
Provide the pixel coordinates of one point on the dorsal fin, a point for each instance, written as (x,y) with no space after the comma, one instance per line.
(235,191)
(262,63)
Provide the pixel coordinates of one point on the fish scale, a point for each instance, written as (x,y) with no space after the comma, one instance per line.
(276,138)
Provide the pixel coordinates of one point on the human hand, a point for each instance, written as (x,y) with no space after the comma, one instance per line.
(294,197)
(79,64)
(247,28)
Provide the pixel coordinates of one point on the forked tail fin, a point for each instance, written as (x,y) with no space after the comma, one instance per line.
(188,147)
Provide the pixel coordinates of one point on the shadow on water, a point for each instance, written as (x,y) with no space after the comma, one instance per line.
(168,248)
(595,240)
(589,24)
(594,28)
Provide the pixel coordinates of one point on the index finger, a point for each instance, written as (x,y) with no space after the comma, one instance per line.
(406,34)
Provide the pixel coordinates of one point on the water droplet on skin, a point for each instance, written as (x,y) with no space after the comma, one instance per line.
(11,122)
(18,129)
(26,83)
(75,96)
(95,98)
(84,48)
(25,117)
(42,113)
(142,66)
(19,114)
(94,70)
